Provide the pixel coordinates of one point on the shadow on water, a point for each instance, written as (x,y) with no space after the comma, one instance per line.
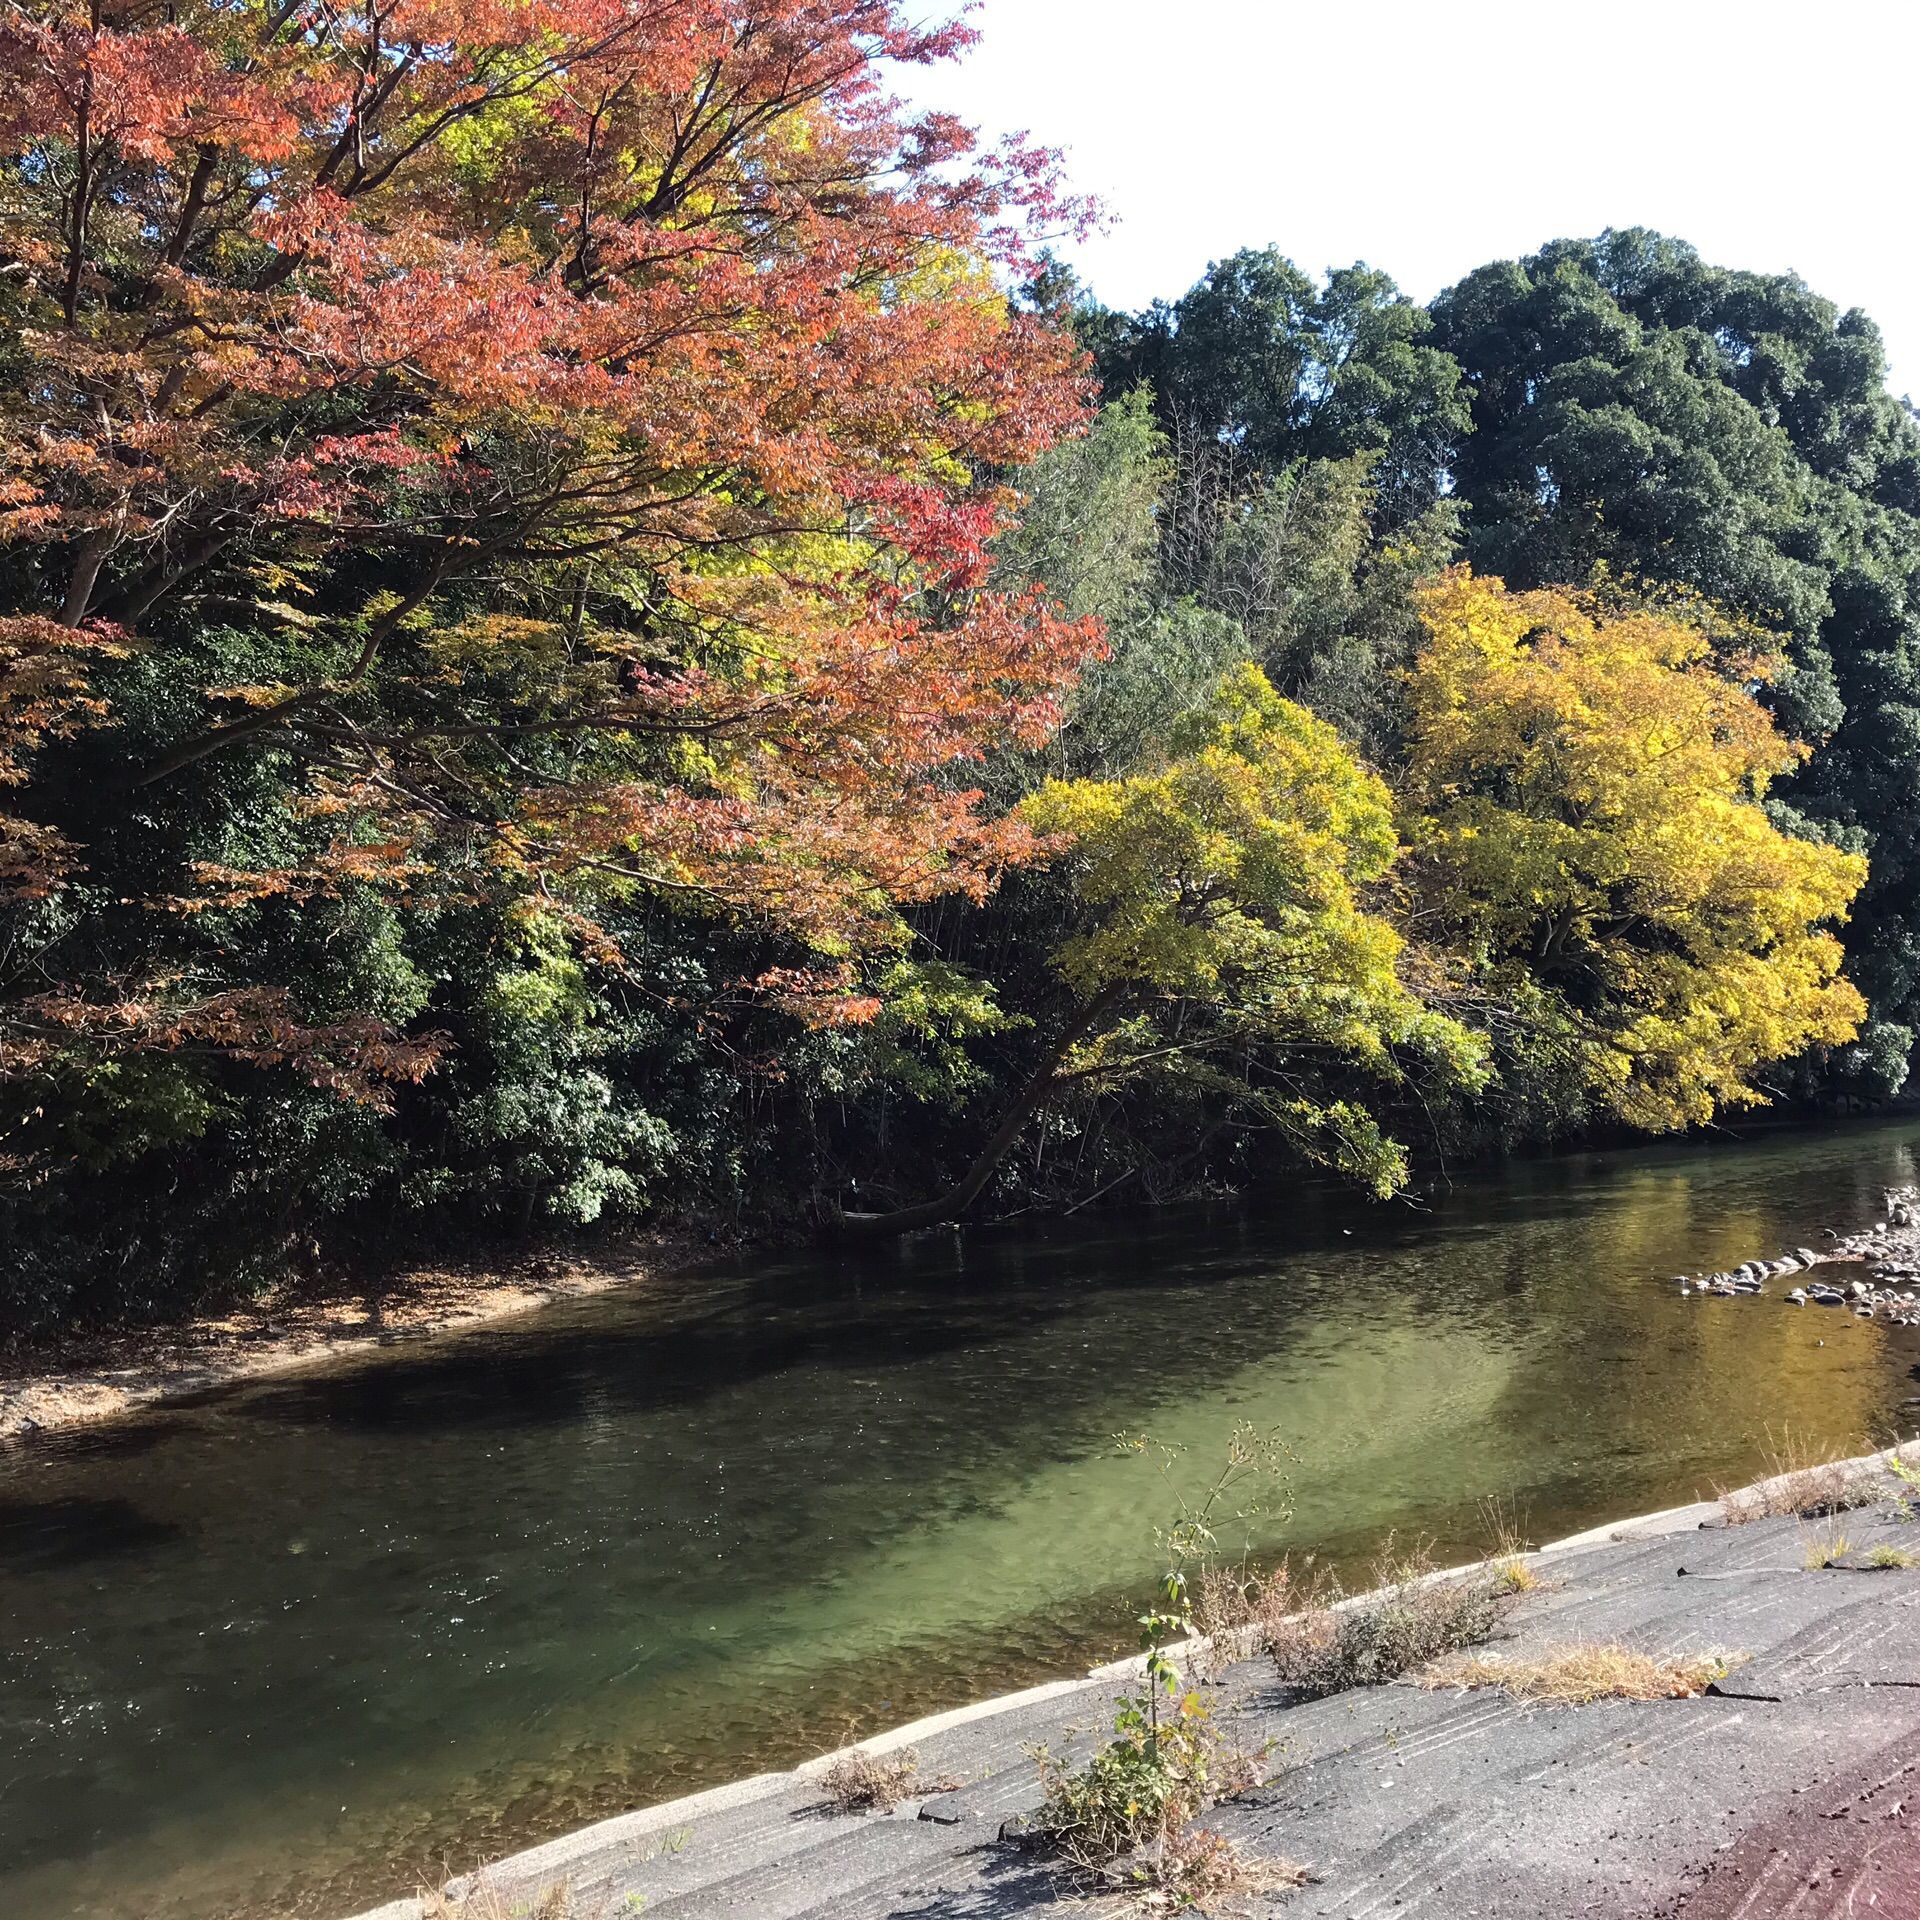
(542,1381)
(73,1532)
(939,1297)
(280,1649)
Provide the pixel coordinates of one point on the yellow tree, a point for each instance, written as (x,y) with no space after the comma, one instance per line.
(1232,882)
(1585,791)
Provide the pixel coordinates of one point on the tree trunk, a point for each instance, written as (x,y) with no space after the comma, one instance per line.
(1029,1101)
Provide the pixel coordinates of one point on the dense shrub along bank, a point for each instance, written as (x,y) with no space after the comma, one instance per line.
(568,653)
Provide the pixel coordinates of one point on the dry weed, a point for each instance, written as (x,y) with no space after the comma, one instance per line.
(1234,1611)
(1191,1867)
(862,1782)
(484,1901)
(1802,1480)
(1579,1675)
(1409,1619)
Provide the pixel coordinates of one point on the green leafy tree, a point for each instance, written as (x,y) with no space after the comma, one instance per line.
(1093,533)
(1260,356)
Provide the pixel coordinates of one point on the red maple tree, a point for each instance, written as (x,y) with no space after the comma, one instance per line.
(624,375)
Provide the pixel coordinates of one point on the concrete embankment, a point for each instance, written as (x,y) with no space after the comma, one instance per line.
(1779,1788)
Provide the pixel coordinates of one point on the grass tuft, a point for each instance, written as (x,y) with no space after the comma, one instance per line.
(1515,1576)
(1508,1547)
(1886,1555)
(1825,1550)
(1579,1675)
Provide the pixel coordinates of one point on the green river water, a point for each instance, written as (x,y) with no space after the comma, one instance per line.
(289,1648)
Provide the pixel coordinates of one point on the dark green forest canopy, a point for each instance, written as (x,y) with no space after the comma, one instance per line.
(1289,369)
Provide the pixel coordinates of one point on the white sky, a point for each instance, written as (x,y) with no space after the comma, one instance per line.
(1428,136)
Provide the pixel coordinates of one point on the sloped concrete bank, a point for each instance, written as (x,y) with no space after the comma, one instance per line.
(1785,1780)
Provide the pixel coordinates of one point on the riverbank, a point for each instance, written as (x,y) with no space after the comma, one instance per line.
(73,1380)
(1420,1800)
(70,1381)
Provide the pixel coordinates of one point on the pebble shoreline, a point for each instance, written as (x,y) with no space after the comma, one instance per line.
(1891,1246)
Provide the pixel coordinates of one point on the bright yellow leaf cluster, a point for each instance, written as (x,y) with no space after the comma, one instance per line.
(1584,789)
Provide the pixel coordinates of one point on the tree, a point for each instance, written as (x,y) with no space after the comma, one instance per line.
(527,469)
(1308,431)
(1260,357)
(1636,407)
(1099,516)
(1222,902)
(1586,792)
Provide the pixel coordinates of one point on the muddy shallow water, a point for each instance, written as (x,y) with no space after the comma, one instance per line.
(293,1646)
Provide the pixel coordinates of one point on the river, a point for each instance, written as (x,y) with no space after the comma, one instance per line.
(293,1647)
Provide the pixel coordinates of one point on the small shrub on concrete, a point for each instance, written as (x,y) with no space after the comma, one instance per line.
(1579,1675)
(1130,1817)
(1411,1619)
(1166,1762)
(1887,1556)
(861,1782)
